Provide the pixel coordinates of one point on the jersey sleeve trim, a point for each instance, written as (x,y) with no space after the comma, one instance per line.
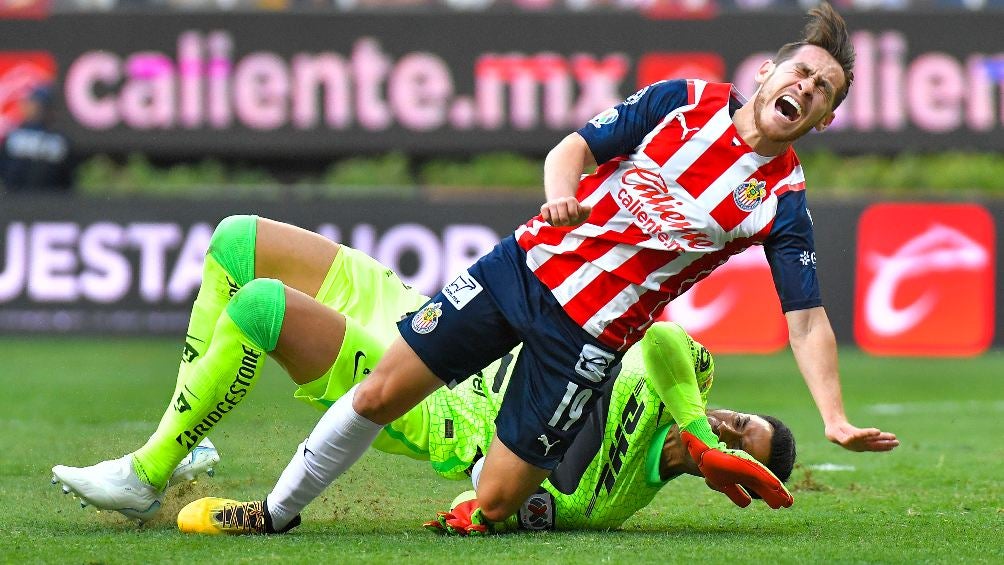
(793,305)
(790,187)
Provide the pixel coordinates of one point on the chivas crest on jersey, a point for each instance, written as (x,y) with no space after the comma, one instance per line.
(750,194)
(426,319)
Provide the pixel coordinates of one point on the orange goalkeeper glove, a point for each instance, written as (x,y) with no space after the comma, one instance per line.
(732,471)
(463,519)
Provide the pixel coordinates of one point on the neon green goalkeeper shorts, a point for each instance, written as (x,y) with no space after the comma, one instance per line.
(372,298)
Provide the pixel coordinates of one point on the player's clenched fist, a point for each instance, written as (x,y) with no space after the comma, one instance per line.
(565,211)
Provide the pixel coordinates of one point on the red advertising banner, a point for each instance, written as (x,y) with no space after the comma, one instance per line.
(658,65)
(20,73)
(24,9)
(925,280)
(735,309)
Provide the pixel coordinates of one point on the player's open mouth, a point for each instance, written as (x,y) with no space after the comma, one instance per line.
(788,107)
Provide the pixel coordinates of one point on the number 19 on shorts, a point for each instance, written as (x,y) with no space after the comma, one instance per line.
(573,402)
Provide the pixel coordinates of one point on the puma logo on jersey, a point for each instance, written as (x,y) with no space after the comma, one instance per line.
(683,124)
(547,444)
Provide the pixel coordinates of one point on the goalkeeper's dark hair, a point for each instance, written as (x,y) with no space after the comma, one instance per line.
(782,451)
(827,30)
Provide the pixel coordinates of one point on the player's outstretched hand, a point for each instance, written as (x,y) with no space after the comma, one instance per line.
(853,438)
(464,519)
(732,471)
(565,211)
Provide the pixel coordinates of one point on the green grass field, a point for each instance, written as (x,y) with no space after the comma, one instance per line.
(939,498)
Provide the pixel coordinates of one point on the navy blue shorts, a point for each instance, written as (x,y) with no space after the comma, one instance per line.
(480,316)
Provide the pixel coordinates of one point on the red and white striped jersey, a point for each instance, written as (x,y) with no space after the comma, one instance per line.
(667,210)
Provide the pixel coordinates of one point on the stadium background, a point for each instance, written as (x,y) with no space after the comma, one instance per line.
(292,91)
(258,98)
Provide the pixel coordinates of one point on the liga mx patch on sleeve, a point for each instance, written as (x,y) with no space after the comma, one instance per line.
(537,513)
(462,290)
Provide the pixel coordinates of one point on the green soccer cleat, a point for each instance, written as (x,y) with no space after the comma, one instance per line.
(216,516)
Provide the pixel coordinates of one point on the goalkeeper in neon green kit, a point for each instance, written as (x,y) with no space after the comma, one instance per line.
(629,448)
(628,451)
(327,323)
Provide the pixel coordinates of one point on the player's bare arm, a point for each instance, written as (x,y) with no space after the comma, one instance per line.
(815,350)
(563,167)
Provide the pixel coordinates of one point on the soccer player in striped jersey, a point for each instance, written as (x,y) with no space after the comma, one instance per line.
(689,174)
(629,449)
(239,316)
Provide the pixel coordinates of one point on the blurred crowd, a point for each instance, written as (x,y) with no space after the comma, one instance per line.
(669,8)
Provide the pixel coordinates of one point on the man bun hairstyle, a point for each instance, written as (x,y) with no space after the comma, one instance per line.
(782,451)
(827,30)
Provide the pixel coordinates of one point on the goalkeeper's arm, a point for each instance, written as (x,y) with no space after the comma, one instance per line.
(669,366)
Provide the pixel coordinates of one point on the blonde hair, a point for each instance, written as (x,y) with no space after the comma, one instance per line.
(825,29)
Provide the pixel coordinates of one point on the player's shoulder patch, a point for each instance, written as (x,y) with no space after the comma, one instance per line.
(606,117)
(426,319)
(537,513)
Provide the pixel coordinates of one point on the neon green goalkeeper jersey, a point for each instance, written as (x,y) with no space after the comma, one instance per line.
(609,472)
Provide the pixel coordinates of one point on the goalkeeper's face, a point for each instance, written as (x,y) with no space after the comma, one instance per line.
(748,432)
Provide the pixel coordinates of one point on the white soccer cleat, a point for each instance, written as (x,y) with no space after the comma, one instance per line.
(111,485)
(202,459)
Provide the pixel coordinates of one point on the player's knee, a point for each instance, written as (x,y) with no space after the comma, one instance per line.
(232,246)
(258,309)
(370,400)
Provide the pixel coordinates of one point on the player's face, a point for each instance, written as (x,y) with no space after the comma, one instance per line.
(797,95)
(748,432)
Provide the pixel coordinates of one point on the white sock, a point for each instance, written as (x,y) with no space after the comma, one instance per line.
(476,472)
(337,441)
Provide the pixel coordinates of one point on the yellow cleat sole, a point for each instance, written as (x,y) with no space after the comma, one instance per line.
(197,516)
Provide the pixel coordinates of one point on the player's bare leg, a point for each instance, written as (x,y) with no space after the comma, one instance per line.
(399,382)
(293,255)
(506,481)
(310,339)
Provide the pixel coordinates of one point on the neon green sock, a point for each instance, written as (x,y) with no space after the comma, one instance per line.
(247,330)
(229,265)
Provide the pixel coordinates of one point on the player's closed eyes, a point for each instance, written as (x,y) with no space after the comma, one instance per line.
(821,85)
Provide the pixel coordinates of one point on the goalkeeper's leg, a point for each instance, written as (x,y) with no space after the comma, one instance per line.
(243,248)
(244,333)
(300,257)
(264,317)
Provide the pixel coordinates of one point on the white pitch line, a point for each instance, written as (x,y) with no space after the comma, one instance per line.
(942,407)
(832,467)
